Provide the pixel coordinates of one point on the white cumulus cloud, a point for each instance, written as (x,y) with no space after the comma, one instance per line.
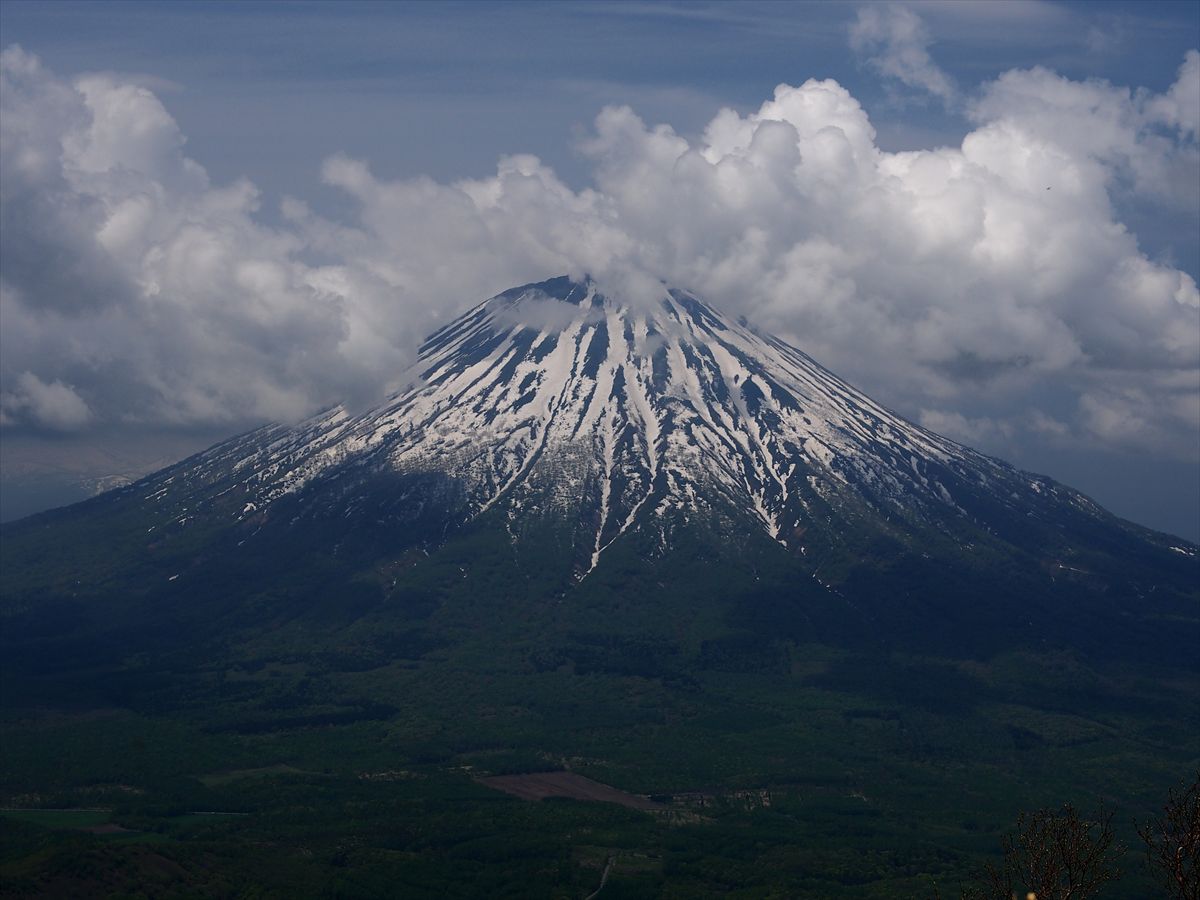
(159,295)
(943,280)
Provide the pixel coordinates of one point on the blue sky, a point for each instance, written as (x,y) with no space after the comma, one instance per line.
(270,89)
(271,92)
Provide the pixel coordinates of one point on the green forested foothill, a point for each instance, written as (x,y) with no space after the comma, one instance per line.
(308,718)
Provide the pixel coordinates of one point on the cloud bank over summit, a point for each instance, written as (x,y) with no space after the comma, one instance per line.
(990,286)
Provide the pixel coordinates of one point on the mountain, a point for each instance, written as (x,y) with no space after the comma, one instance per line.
(636,535)
(553,402)
(573,421)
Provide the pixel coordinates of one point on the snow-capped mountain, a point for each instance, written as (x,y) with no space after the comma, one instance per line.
(555,441)
(554,402)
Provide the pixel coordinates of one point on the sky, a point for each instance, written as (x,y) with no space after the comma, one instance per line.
(986,215)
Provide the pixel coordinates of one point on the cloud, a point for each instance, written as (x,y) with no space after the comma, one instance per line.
(1180,106)
(894,41)
(158,295)
(1164,415)
(973,431)
(947,279)
(1120,135)
(54,406)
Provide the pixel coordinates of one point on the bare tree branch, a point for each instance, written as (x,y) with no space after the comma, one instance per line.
(1054,855)
(1173,842)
